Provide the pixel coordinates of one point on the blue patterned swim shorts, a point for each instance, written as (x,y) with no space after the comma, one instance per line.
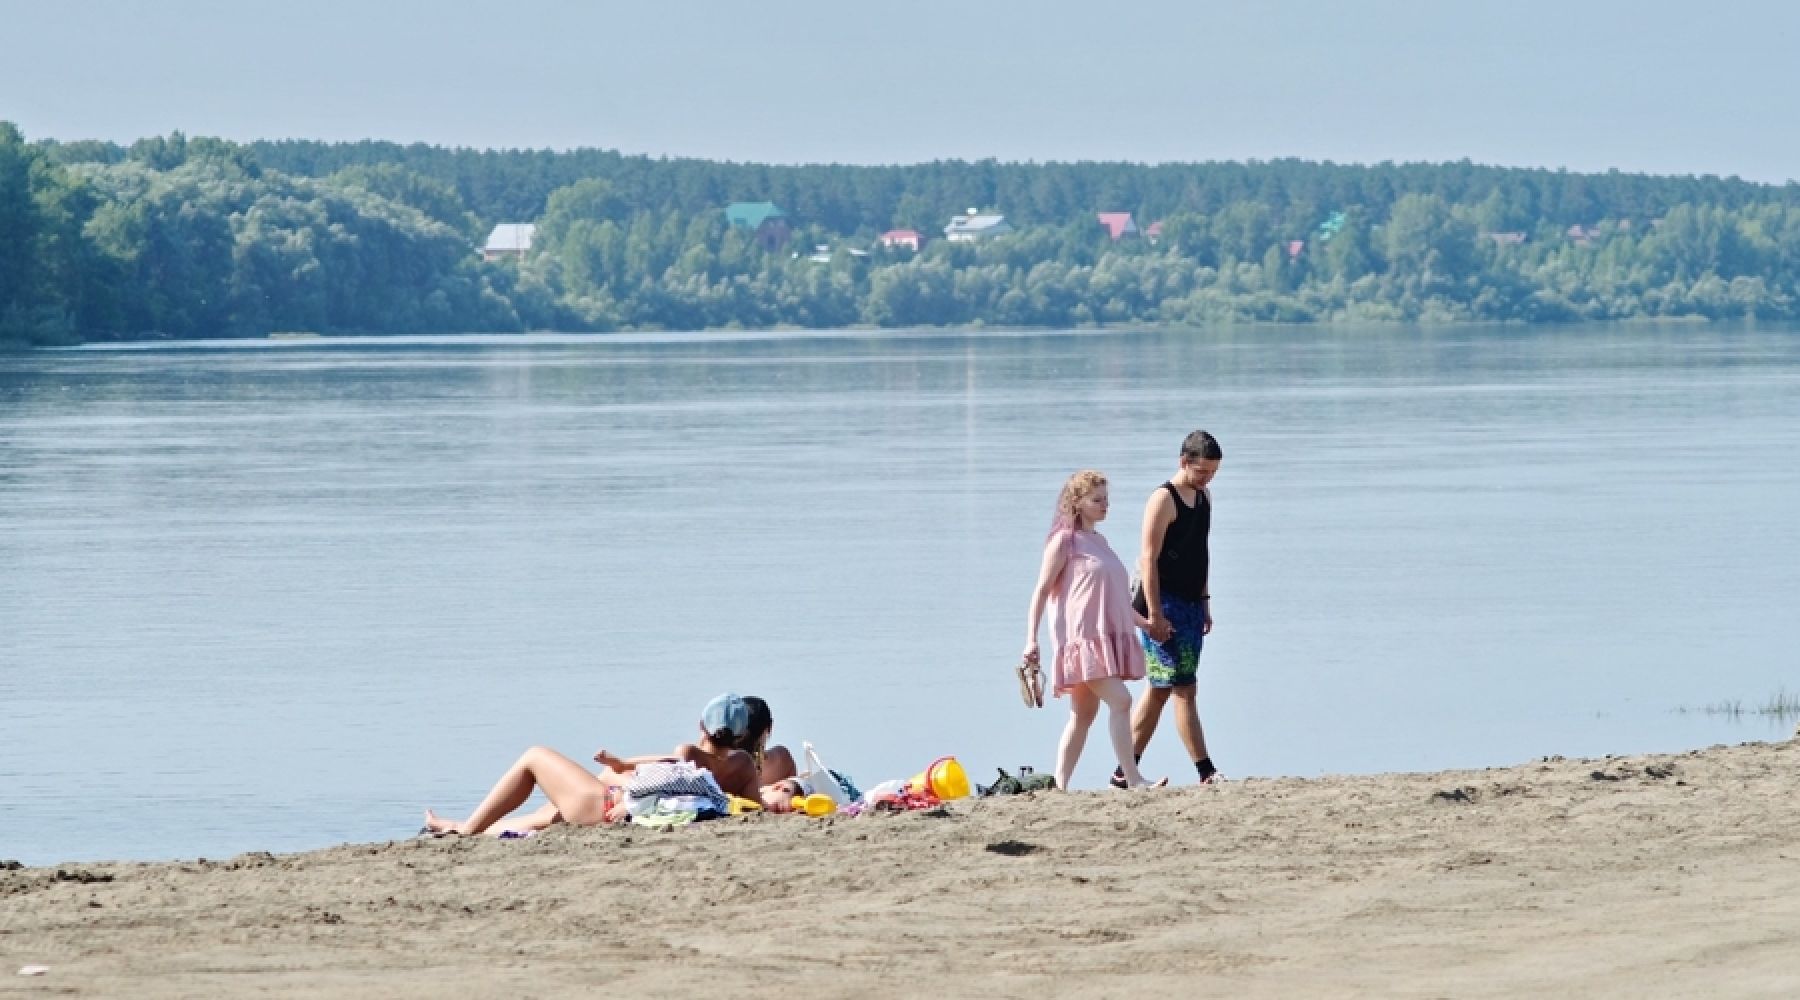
(1175,662)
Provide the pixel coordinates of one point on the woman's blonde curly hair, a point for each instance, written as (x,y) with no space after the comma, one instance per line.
(1080,486)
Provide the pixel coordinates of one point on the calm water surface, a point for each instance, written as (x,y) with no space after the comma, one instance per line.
(281,595)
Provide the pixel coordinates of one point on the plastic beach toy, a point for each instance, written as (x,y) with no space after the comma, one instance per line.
(944,779)
(741,805)
(816,804)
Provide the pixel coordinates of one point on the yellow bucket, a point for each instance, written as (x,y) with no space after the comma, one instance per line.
(944,779)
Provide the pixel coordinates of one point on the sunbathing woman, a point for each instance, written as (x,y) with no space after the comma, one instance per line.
(772,763)
(584,799)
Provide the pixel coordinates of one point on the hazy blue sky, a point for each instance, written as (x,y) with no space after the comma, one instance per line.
(1647,85)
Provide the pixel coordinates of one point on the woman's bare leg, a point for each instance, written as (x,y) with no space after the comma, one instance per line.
(1117,697)
(541,818)
(1083,706)
(577,795)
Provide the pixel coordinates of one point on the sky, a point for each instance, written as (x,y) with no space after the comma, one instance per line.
(1646,86)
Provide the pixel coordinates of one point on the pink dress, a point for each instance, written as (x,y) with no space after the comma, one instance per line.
(1092,626)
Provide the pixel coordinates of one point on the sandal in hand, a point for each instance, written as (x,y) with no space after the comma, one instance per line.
(1031,682)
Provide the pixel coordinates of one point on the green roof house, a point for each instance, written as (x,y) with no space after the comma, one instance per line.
(763,218)
(752,214)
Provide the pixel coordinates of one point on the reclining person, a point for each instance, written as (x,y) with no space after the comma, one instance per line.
(586,799)
(772,763)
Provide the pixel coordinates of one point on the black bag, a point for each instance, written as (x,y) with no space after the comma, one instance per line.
(1006,784)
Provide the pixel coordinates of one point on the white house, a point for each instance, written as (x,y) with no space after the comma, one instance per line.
(509,239)
(976,226)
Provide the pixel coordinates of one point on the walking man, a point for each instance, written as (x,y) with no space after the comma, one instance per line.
(1173,567)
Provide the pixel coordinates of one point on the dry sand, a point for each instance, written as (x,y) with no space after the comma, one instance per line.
(1658,876)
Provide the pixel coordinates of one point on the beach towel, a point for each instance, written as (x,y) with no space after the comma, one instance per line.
(663,778)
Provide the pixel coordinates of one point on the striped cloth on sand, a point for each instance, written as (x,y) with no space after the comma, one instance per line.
(676,777)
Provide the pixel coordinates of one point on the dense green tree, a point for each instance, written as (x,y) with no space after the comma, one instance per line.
(436,199)
(1424,236)
(198,236)
(19,222)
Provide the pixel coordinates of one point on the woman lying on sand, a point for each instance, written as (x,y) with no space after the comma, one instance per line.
(585,799)
(773,763)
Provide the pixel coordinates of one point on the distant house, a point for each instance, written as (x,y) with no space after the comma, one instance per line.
(1118,224)
(908,238)
(509,239)
(821,254)
(1333,224)
(976,226)
(763,219)
(1295,248)
(1153,232)
(1582,235)
(1508,239)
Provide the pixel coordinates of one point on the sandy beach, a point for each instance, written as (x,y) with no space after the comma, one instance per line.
(1664,875)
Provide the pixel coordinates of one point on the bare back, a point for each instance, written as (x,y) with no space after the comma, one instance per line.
(734,770)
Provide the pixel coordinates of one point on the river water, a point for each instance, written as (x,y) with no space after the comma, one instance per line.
(278,595)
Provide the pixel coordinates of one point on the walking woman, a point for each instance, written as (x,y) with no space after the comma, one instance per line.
(1093,633)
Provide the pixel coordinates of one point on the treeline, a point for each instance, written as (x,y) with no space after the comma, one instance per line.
(200,237)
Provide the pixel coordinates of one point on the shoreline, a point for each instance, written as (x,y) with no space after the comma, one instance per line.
(313,338)
(1656,874)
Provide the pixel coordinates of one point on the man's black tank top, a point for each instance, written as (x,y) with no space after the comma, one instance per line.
(1182,563)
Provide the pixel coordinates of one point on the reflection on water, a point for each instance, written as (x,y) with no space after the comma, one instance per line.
(275,595)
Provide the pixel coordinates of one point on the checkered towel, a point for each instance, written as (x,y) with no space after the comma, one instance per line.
(676,777)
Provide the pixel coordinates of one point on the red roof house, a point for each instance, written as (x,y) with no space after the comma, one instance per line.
(908,238)
(1118,224)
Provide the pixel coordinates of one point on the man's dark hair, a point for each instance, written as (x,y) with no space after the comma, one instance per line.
(1201,445)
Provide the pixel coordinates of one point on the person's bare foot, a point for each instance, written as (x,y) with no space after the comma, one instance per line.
(438,824)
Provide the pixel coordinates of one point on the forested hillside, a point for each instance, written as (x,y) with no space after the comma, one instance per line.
(183,237)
